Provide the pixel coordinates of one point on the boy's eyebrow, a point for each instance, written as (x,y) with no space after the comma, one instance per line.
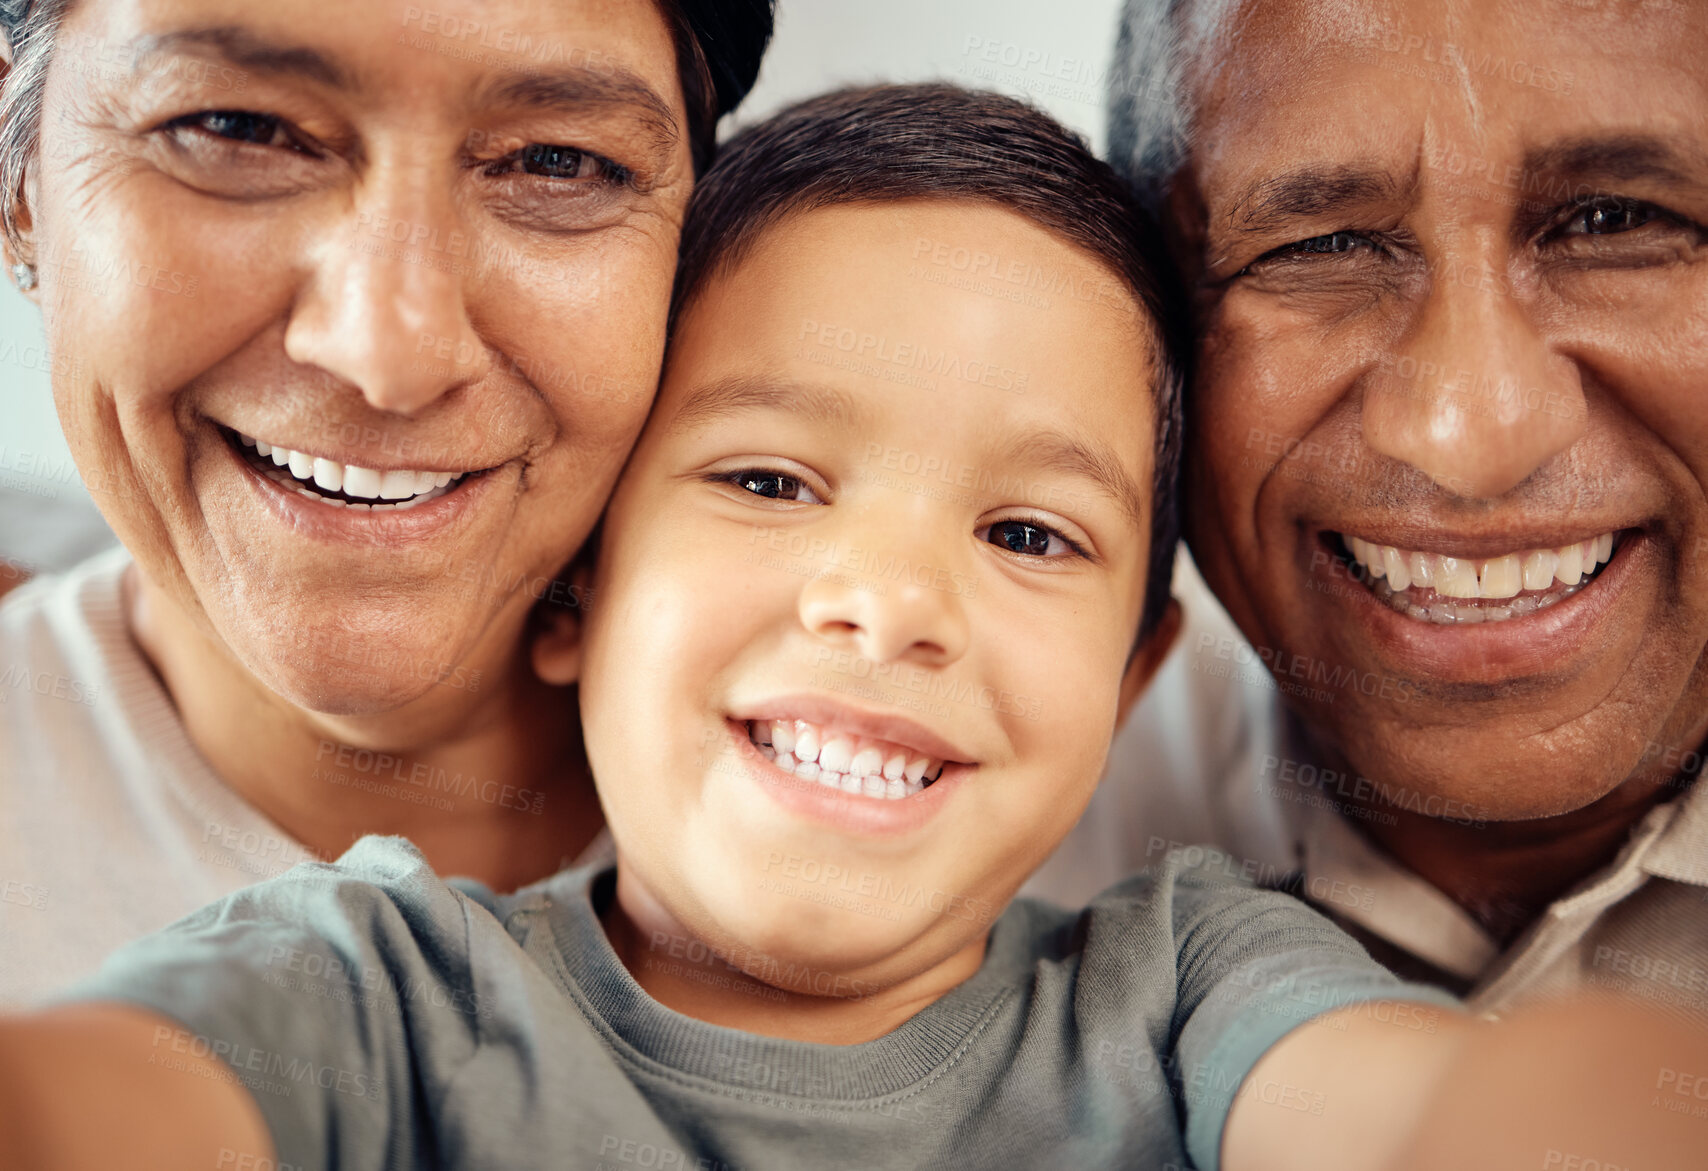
(741,393)
(1057,451)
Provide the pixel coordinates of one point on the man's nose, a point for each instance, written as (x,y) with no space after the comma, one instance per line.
(384,305)
(1473,395)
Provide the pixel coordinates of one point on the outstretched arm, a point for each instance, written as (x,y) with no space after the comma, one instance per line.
(106,1085)
(1586,1084)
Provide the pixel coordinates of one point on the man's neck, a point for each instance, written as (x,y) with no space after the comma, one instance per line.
(490,782)
(1505,874)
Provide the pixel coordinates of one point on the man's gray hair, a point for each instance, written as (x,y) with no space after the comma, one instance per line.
(1150,89)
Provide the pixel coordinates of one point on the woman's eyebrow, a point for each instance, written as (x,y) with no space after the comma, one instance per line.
(600,81)
(242,48)
(579,85)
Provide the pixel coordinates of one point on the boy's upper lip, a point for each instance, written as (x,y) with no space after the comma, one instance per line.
(816,709)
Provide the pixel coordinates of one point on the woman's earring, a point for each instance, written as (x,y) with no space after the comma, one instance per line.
(25,275)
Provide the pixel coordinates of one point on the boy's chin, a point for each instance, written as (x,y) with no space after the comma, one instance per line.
(850,945)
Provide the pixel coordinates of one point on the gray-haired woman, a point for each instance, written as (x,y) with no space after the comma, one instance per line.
(356,309)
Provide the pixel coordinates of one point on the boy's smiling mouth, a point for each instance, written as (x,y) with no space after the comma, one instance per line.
(844,761)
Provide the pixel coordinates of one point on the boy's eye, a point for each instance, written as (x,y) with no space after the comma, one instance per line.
(1027,538)
(773,485)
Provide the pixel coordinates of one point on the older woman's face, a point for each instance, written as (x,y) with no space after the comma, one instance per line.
(405,243)
(1454,315)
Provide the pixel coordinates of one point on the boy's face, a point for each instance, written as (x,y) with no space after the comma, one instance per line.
(897,487)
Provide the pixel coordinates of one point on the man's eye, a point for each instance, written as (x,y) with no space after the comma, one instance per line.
(1028,538)
(773,486)
(1333,242)
(1608,217)
(1329,244)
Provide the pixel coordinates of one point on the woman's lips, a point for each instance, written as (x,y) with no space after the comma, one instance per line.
(316,513)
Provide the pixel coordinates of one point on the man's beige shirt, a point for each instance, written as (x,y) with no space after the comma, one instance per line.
(1200,761)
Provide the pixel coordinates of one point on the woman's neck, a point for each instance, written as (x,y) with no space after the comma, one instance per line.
(491,782)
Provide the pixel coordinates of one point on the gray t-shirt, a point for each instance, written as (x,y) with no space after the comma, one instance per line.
(382,1018)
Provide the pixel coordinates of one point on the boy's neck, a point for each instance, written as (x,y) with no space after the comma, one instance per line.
(491,783)
(678,971)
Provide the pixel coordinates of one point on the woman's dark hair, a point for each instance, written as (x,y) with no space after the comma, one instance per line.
(719,45)
(882,144)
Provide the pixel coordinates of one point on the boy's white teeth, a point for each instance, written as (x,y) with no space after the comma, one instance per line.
(852,764)
(402,488)
(1545,576)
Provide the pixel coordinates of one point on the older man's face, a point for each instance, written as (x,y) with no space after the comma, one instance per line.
(1451,464)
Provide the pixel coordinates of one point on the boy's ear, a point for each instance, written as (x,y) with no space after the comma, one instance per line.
(1147,659)
(560,623)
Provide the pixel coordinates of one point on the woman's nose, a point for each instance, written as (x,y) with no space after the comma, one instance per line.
(384,306)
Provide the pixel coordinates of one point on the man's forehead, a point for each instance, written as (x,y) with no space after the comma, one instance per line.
(1380,83)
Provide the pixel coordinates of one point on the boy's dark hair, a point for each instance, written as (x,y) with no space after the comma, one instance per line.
(881,144)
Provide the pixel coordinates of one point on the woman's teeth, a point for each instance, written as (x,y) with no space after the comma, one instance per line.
(400,489)
(852,764)
(1446,590)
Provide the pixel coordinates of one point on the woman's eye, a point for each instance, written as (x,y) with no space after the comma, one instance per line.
(1608,217)
(559,162)
(774,486)
(1029,539)
(240,126)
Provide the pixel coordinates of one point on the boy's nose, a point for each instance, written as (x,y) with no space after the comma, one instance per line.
(886,621)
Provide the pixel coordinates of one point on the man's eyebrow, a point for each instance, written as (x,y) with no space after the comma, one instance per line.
(1057,451)
(586,85)
(1307,192)
(738,395)
(1616,159)
(246,50)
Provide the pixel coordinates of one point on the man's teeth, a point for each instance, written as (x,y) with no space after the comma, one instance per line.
(404,489)
(853,764)
(1543,576)
(1493,577)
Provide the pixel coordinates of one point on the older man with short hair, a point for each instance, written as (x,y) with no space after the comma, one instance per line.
(1449,467)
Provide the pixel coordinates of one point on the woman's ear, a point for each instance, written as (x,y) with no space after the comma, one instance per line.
(560,620)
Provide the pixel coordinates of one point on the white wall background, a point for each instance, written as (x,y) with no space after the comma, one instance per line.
(1055,52)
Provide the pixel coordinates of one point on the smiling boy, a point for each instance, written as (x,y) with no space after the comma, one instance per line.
(838,712)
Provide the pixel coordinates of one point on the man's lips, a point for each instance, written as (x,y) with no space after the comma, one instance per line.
(1465,586)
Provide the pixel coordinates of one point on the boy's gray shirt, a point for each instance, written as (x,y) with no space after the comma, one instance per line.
(382,1018)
